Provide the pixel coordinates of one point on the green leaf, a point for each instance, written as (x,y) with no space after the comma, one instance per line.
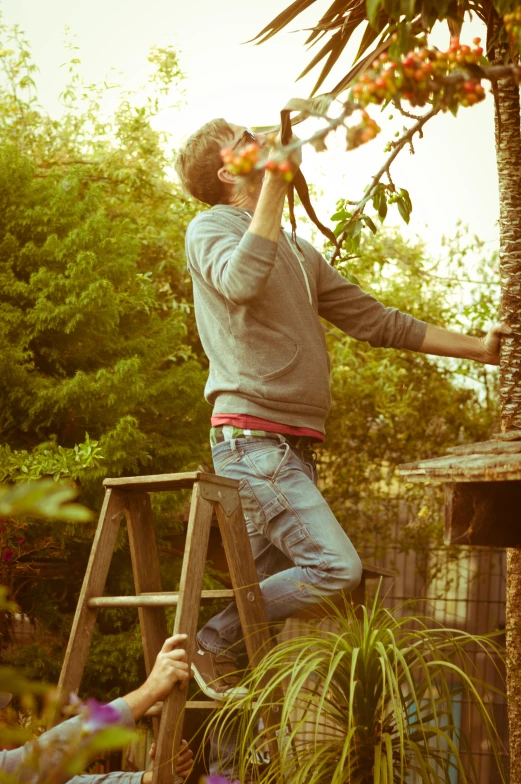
(357,228)
(403,209)
(369,223)
(405,194)
(372,7)
(347,274)
(45,499)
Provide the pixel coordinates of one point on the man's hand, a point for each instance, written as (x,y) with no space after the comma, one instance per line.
(268,211)
(183,763)
(492,342)
(170,667)
(294,160)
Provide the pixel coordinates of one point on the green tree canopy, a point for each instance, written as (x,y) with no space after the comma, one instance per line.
(101,371)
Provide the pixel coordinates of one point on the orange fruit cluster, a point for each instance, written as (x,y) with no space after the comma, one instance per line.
(362,133)
(513,26)
(242,162)
(416,78)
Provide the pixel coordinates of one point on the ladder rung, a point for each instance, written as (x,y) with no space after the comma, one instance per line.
(162,599)
(156,709)
(163,482)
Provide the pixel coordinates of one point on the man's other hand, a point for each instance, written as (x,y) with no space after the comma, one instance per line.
(183,765)
(170,667)
(492,341)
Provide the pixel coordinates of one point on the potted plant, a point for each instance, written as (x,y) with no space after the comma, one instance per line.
(370,698)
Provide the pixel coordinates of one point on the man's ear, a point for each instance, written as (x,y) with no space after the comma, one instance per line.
(225,177)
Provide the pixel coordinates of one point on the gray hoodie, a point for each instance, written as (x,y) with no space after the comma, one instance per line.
(258,305)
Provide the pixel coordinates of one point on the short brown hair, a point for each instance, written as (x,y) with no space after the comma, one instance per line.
(199,160)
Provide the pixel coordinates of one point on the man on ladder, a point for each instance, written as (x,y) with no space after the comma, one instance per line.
(258,302)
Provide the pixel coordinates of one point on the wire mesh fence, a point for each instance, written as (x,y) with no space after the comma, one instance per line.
(464,589)
(467,592)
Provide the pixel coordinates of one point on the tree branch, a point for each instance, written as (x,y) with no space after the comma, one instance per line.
(384,169)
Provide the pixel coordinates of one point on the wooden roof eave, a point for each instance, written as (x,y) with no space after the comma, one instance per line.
(498,460)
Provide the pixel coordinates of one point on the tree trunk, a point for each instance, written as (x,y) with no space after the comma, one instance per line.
(508,151)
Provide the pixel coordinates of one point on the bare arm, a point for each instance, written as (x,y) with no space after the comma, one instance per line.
(268,212)
(444,343)
(267,216)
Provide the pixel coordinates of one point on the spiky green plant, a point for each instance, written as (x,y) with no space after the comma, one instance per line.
(371,701)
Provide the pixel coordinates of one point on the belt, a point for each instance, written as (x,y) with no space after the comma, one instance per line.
(226,432)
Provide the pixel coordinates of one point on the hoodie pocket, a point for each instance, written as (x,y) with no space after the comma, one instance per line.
(284,369)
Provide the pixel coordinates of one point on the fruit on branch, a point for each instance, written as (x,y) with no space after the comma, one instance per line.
(285,170)
(420,78)
(513,27)
(362,133)
(242,162)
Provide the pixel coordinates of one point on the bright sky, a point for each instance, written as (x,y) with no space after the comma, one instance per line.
(452,176)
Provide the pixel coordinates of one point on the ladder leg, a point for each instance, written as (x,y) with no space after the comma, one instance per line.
(245,582)
(250,602)
(93,585)
(190,588)
(147,577)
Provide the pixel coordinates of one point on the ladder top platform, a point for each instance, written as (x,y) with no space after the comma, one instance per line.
(163,482)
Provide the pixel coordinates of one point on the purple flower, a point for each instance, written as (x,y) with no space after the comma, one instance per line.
(99,715)
(20,540)
(219,780)
(7,556)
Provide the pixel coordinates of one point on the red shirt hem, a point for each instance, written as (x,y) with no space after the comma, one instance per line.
(246,422)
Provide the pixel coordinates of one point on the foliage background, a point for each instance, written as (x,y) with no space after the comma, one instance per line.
(103,373)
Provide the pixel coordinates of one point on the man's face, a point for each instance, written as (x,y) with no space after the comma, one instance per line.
(242,136)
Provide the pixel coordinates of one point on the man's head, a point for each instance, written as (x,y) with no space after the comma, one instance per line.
(199,164)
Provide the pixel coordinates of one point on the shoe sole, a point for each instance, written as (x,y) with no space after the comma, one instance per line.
(236,692)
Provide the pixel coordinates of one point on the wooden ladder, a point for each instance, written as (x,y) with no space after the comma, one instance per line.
(130,497)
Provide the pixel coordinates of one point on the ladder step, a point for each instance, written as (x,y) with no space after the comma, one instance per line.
(163,482)
(208,705)
(163,599)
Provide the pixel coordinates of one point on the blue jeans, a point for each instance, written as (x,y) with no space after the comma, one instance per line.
(301,553)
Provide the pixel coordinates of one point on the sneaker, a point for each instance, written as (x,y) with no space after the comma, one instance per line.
(217,675)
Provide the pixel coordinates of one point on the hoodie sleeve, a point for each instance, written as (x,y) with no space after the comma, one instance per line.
(118,777)
(50,746)
(363,317)
(237,264)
